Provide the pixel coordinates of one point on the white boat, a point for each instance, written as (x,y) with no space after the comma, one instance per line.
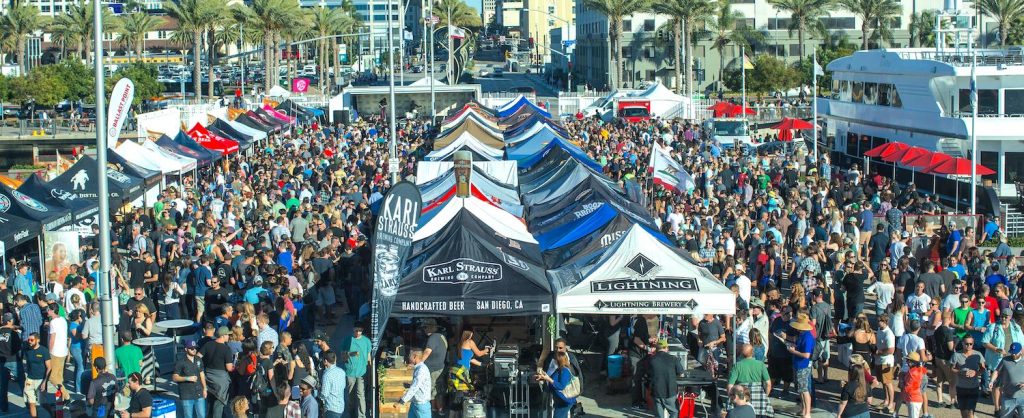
(921,97)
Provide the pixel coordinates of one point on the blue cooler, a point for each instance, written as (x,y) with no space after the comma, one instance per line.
(615,363)
(164,408)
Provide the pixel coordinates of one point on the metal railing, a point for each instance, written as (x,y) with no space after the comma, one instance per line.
(963,59)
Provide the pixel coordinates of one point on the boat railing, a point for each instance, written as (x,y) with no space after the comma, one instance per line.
(963,58)
(968,114)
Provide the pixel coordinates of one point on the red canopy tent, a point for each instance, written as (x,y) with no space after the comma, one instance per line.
(787,125)
(928,160)
(211,141)
(737,110)
(720,108)
(905,156)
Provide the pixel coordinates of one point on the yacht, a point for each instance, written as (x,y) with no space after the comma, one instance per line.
(922,97)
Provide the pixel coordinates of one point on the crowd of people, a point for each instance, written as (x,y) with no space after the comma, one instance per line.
(265,250)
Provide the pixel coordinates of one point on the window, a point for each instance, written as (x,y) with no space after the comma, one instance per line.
(990,159)
(858,92)
(44,9)
(649,76)
(1013,102)
(649,25)
(851,144)
(161,34)
(844,90)
(742,2)
(794,50)
(833,23)
(745,23)
(648,52)
(883,94)
(778,23)
(627,52)
(988,101)
(835,89)
(1014,166)
(894,98)
(777,50)
(627,26)
(870,93)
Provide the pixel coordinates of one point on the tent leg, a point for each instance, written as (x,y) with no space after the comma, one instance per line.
(42,257)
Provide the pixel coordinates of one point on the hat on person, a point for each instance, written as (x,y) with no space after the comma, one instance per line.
(320,335)
(237,248)
(914,356)
(1006,313)
(1015,349)
(905,234)
(662,343)
(756,302)
(741,267)
(222,331)
(309,380)
(51,297)
(801,323)
(191,344)
(428,322)
(852,219)
(8,317)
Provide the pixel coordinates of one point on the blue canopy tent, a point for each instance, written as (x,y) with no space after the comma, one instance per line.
(190,143)
(529,153)
(203,157)
(569,232)
(518,104)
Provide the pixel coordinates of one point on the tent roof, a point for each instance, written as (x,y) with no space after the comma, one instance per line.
(81,178)
(488,186)
(203,156)
(42,191)
(187,163)
(480,132)
(17,230)
(425,81)
(521,104)
(570,180)
(467,270)
(504,172)
(555,150)
(118,162)
(212,142)
(255,123)
(278,91)
(24,206)
(579,204)
(534,130)
(255,134)
(658,91)
(442,197)
(466,141)
(500,221)
(639,274)
(584,240)
(151,159)
(278,115)
(244,140)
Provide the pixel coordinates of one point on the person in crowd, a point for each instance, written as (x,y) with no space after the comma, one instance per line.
(853,400)
(357,362)
(801,351)
(557,384)
(753,375)
(307,392)
(418,393)
(739,397)
(468,350)
(217,364)
(332,386)
(10,352)
(188,374)
(37,368)
(140,405)
(663,371)
(435,357)
(1008,384)
(102,390)
(969,366)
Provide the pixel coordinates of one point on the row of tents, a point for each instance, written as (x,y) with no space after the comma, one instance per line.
(136,172)
(542,228)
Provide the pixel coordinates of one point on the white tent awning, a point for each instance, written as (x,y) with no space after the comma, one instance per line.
(466,141)
(503,171)
(639,274)
(502,222)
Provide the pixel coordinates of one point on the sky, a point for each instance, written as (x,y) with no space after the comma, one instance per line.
(476,4)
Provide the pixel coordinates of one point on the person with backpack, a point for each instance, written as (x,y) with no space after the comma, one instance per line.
(563,385)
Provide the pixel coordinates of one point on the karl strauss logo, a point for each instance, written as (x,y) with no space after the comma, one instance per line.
(462,271)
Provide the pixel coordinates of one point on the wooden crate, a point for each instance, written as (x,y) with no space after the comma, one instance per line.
(392,388)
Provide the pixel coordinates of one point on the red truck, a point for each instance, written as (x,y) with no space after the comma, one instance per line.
(633,111)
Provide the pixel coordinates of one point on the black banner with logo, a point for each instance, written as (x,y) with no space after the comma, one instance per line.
(392,241)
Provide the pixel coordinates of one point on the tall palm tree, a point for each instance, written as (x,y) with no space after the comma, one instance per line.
(192,17)
(325,22)
(804,17)
(348,22)
(268,18)
(728,28)
(616,10)
(134,27)
(21,21)
(74,28)
(922,28)
(218,33)
(876,16)
(1005,12)
(297,28)
(686,14)
(456,13)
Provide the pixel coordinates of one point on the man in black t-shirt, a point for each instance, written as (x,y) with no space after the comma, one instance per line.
(216,297)
(217,363)
(37,367)
(141,403)
(139,298)
(136,271)
(225,273)
(10,347)
(945,347)
(188,374)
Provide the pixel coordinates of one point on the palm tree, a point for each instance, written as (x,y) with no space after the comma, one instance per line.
(268,18)
(134,27)
(348,22)
(922,28)
(616,10)
(804,17)
(192,17)
(685,15)
(218,33)
(74,28)
(21,22)
(325,22)
(876,16)
(1005,12)
(456,13)
(728,28)
(297,28)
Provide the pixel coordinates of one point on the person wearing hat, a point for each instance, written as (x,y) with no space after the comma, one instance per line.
(801,352)
(999,337)
(435,356)
(1008,384)
(915,382)
(217,364)
(10,348)
(191,382)
(663,370)
(307,393)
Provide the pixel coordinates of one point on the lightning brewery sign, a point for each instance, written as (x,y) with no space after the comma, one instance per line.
(392,241)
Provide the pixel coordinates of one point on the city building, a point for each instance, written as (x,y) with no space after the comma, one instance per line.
(562,46)
(487,11)
(538,18)
(508,15)
(647,42)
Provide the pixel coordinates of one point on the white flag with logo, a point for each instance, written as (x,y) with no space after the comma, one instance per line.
(818,71)
(669,173)
(456,32)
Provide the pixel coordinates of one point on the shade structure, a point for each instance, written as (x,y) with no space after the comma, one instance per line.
(719,108)
(641,275)
(83,210)
(203,156)
(497,220)
(212,142)
(187,163)
(153,159)
(737,110)
(793,123)
(466,142)
(150,178)
(467,269)
(958,167)
(22,205)
(81,180)
(254,123)
(17,230)
(928,160)
(470,126)
(517,105)
(885,149)
(15,183)
(905,156)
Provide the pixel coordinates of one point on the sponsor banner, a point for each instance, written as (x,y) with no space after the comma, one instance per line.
(392,242)
(659,284)
(644,306)
(61,253)
(476,307)
(117,113)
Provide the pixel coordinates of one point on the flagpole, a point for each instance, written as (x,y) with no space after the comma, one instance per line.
(393,143)
(814,103)
(433,111)
(974,135)
(743,72)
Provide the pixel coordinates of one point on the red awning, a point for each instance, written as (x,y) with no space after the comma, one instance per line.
(212,142)
(886,149)
(959,167)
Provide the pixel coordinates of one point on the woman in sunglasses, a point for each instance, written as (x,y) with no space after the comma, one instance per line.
(969,366)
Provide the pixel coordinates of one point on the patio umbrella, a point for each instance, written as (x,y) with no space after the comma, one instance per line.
(720,108)
(787,125)
(904,156)
(885,149)
(958,167)
(927,160)
(737,110)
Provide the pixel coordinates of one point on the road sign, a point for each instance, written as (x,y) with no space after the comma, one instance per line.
(393,165)
(433,20)
(501,39)
(569,43)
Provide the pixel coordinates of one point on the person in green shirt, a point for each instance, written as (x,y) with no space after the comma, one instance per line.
(128,355)
(753,374)
(357,347)
(960,316)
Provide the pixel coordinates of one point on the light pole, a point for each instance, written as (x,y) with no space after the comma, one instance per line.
(393,143)
(567,54)
(241,44)
(433,110)
(106,303)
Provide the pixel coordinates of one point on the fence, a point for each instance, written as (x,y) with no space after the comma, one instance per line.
(569,102)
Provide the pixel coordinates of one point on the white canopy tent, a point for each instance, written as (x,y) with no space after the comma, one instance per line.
(639,274)
(256,134)
(152,159)
(503,171)
(425,81)
(502,222)
(187,163)
(664,102)
(466,141)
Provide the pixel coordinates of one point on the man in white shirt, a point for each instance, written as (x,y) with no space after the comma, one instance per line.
(675,219)
(743,282)
(58,344)
(418,394)
(76,289)
(885,360)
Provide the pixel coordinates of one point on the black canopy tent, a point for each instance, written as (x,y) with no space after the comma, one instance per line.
(81,178)
(82,210)
(466,269)
(255,123)
(225,129)
(187,142)
(580,203)
(149,177)
(24,206)
(14,231)
(204,157)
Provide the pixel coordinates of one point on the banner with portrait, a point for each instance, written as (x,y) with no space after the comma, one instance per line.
(60,252)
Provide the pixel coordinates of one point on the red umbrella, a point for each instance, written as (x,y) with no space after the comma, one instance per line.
(736,110)
(721,108)
(886,149)
(905,155)
(959,167)
(793,123)
(928,160)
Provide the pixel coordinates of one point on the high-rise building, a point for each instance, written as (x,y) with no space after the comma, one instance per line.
(539,17)
(487,11)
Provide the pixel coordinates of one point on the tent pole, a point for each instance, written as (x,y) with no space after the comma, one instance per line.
(42,263)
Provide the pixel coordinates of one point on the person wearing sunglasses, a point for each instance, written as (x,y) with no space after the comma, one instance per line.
(191,382)
(969,366)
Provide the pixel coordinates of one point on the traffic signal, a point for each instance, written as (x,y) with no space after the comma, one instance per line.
(531,43)
(508,55)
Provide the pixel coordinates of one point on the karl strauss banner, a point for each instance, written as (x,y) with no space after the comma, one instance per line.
(392,241)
